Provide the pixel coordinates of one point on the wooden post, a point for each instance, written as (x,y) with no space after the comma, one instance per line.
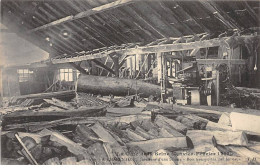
(1,87)
(159,66)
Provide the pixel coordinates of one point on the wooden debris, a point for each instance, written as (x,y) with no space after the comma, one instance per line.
(62,95)
(174,124)
(163,133)
(161,143)
(217,127)
(123,111)
(29,116)
(230,138)
(160,122)
(71,146)
(126,101)
(193,121)
(52,161)
(86,135)
(245,122)
(202,140)
(225,119)
(133,136)
(28,154)
(143,133)
(59,103)
(69,161)
(98,154)
(104,134)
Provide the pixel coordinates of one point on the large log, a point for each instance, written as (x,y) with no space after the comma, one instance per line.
(174,124)
(161,143)
(116,86)
(192,121)
(230,138)
(160,122)
(245,122)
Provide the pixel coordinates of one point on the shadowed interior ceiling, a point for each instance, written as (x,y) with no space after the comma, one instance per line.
(69,26)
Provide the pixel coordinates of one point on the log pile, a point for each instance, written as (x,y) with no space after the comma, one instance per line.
(98,134)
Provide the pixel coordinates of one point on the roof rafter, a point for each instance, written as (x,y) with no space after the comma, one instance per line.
(151,49)
(83,14)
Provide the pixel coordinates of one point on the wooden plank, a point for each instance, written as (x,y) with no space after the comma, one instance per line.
(221,61)
(124,111)
(82,112)
(59,103)
(161,143)
(83,14)
(104,134)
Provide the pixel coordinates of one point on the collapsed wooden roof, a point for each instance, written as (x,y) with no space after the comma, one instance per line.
(64,27)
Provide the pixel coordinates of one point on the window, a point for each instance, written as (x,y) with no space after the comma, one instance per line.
(66,74)
(24,75)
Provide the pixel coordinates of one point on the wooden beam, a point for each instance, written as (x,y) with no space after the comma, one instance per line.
(177,18)
(138,16)
(153,49)
(251,12)
(220,61)
(197,21)
(79,68)
(83,14)
(103,66)
(220,14)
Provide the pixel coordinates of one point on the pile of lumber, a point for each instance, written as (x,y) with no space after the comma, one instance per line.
(120,130)
(136,137)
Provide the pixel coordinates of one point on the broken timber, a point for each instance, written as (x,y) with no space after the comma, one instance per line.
(30,116)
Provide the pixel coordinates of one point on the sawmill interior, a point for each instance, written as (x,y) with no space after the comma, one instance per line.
(129,82)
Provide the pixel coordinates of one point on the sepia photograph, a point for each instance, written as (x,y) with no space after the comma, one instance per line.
(130,82)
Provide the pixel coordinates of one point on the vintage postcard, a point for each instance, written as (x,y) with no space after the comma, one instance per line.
(130,82)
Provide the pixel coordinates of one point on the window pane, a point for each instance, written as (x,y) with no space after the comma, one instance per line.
(62,76)
(20,71)
(70,77)
(66,76)
(61,70)
(25,71)
(70,70)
